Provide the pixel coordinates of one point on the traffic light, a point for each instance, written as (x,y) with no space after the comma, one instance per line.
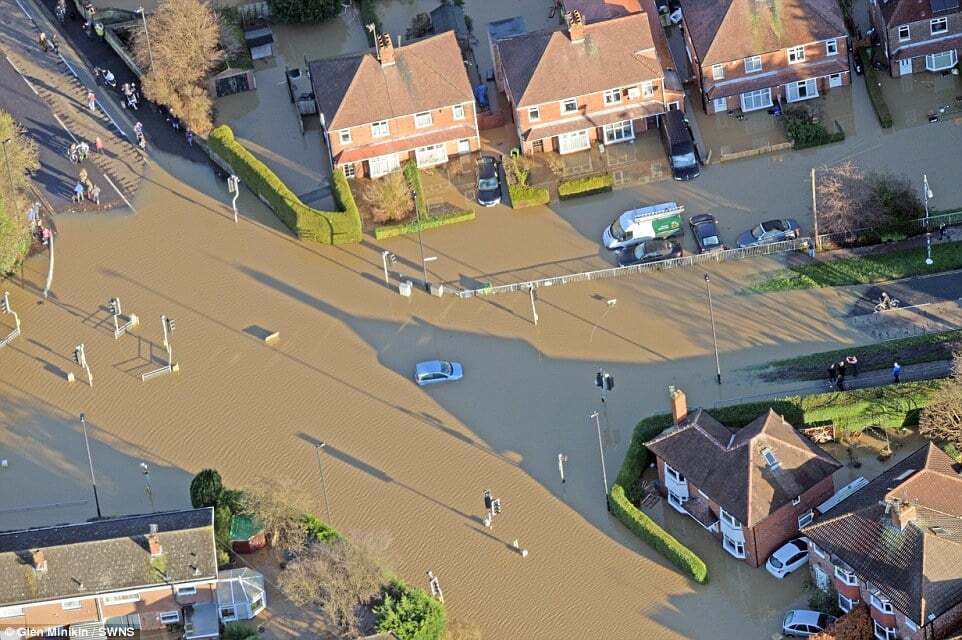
(78,354)
(4,304)
(487,499)
(392,258)
(496,506)
(609,382)
(170,324)
(114,306)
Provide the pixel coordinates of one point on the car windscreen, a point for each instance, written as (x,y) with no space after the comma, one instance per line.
(684,160)
(488,184)
(774,225)
(616,231)
(758,231)
(446,368)
(776,563)
(710,241)
(822,620)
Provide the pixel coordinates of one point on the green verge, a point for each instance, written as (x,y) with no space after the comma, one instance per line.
(326,227)
(872,83)
(524,196)
(931,347)
(427,222)
(891,265)
(892,406)
(586,186)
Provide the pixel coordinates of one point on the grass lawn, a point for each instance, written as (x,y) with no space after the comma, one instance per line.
(881,267)
(931,347)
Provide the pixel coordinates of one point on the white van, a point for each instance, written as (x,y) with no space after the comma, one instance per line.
(657,221)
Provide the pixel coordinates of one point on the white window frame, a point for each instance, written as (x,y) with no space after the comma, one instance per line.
(847,577)
(647,89)
(565,103)
(226,618)
(190,590)
(70,605)
(831,47)
(796,500)
(881,603)
(931,65)
(534,114)
(730,519)
(720,105)
(11,612)
(121,598)
(423,120)
(669,471)
(718,72)
(350,170)
(942,21)
(732,547)
(380,129)
(622,132)
(344,135)
(884,633)
(758,92)
(753,64)
(806,518)
(796,54)
(908,33)
(818,551)
(845,603)
(612,96)
(458,111)
(172,617)
(911,626)
(634,93)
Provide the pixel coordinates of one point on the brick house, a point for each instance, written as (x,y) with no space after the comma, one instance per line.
(751,488)
(379,108)
(141,572)
(918,36)
(896,544)
(607,81)
(749,54)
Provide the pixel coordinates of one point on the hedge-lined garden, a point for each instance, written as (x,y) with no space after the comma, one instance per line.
(326,227)
(523,196)
(806,133)
(413,176)
(585,186)
(874,87)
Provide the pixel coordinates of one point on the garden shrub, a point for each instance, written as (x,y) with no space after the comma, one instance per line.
(319,530)
(326,227)
(875,90)
(239,631)
(369,16)
(304,11)
(206,489)
(524,196)
(585,186)
(410,613)
(427,222)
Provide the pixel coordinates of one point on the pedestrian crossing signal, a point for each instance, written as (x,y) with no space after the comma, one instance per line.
(78,355)
(170,324)
(114,306)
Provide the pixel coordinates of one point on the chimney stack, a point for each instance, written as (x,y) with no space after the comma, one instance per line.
(902,514)
(576,26)
(679,406)
(38,560)
(385,49)
(153,543)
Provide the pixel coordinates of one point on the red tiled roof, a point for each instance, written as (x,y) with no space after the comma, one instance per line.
(898,12)
(727,30)
(592,120)
(913,50)
(784,75)
(408,143)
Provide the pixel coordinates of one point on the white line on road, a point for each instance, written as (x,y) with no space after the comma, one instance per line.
(119,193)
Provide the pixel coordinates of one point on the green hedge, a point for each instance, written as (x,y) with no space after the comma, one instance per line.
(369,16)
(828,138)
(410,613)
(427,222)
(319,530)
(804,133)
(326,227)
(413,176)
(875,90)
(586,186)
(524,196)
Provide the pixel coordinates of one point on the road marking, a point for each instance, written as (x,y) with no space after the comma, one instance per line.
(119,193)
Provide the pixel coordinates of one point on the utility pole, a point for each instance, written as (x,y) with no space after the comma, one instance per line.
(714,337)
(818,243)
(604,474)
(150,53)
(927,193)
(80,357)
(534,311)
(320,469)
(90,462)
(424,266)
(46,286)
(150,494)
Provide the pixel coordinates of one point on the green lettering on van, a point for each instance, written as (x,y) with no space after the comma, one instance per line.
(667,226)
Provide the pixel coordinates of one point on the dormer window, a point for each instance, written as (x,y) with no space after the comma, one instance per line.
(771,461)
(674,474)
(846,576)
(882,603)
(731,520)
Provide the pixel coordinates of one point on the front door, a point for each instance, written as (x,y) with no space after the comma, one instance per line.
(464,146)
(574,141)
(835,80)
(905,66)
(821,579)
(383,165)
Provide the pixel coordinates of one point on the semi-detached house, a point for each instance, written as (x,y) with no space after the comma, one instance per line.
(751,488)
(918,35)
(606,81)
(132,572)
(749,54)
(379,108)
(896,544)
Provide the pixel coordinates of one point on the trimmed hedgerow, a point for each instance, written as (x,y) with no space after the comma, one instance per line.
(875,90)
(523,196)
(585,186)
(427,222)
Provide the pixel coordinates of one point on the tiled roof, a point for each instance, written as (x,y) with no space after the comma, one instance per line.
(597,10)
(918,568)
(727,30)
(355,89)
(406,143)
(778,77)
(544,66)
(591,120)
(936,45)
(898,12)
(107,555)
(729,466)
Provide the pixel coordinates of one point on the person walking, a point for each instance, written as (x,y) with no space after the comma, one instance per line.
(896,372)
(852,363)
(92,101)
(190,137)
(833,374)
(78,192)
(95,194)
(840,380)
(44,45)
(99,145)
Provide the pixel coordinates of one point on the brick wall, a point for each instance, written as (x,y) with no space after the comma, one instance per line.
(153,603)
(919,31)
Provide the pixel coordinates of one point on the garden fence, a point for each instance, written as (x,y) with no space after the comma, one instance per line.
(873,235)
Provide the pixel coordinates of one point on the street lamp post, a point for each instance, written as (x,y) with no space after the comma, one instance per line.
(714,336)
(90,462)
(12,205)
(424,266)
(604,474)
(926,194)
(320,469)
(150,53)
(150,494)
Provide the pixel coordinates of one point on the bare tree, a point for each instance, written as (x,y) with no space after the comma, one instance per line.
(841,194)
(182,50)
(20,158)
(941,420)
(339,577)
(280,507)
(389,198)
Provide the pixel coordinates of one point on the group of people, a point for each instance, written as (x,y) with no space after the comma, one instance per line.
(85,189)
(139,132)
(837,371)
(48,44)
(78,152)
(129,90)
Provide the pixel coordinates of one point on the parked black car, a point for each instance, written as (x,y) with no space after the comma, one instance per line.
(770,231)
(649,251)
(489,181)
(679,146)
(705,229)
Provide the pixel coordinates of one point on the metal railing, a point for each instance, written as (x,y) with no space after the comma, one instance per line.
(614,272)
(873,235)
